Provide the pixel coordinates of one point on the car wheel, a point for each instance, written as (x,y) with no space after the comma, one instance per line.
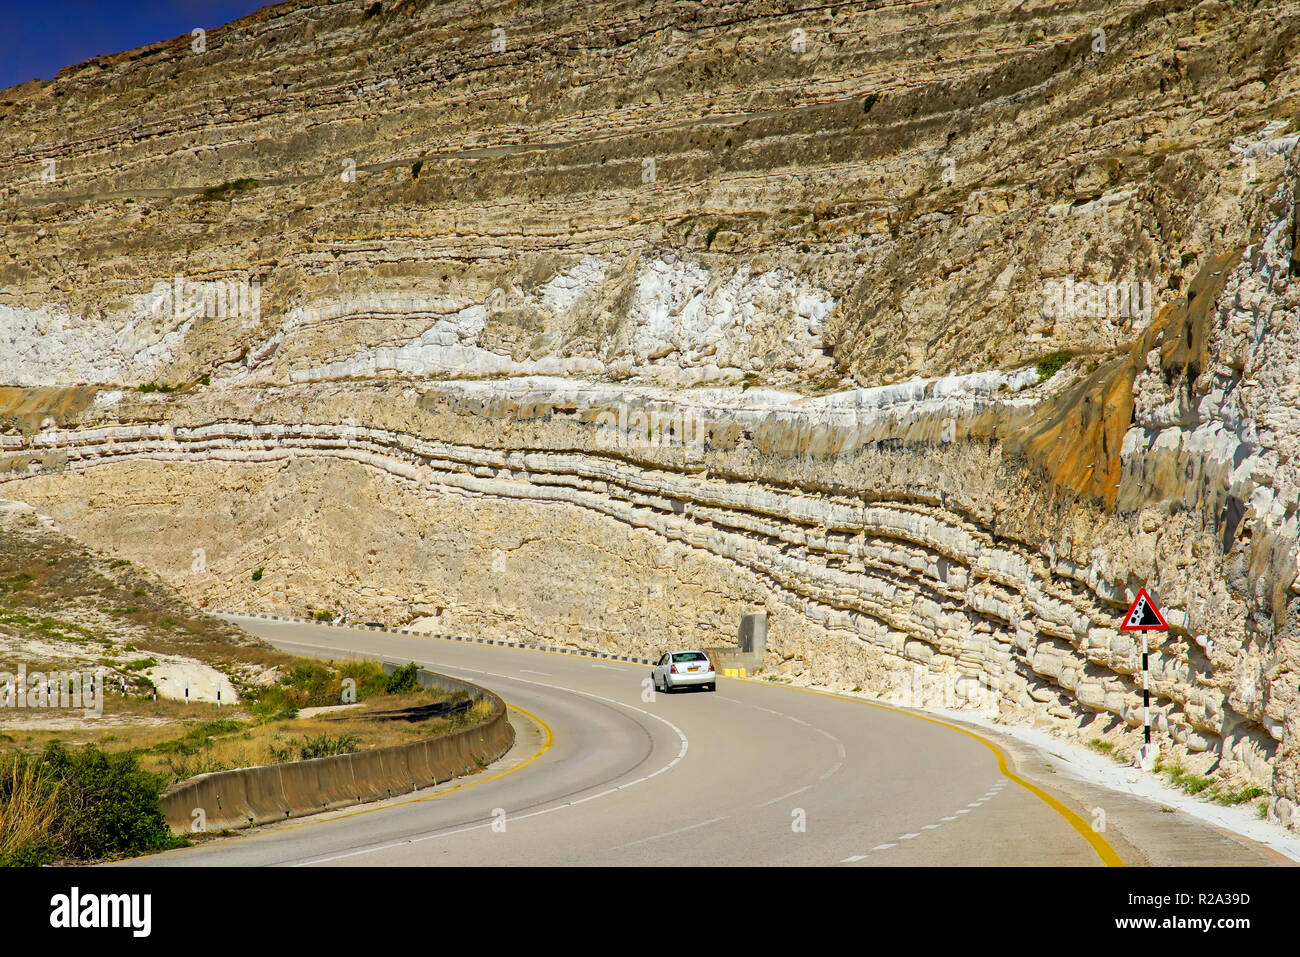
(713,686)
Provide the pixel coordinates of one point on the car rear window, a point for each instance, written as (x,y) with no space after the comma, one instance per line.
(690,656)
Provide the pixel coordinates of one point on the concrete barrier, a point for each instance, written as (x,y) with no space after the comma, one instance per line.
(246,797)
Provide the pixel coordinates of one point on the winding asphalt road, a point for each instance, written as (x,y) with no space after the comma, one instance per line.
(750,774)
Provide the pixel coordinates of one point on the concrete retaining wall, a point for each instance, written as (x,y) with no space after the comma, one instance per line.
(250,796)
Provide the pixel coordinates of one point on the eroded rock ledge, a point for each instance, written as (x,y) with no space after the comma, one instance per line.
(892,199)
(937,564)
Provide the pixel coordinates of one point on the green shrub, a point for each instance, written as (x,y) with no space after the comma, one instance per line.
(105,806)
(368,675)
(1189,781)
(1248,793)
(308,685)
(404,680)
(1049,365)
(269,702)
(257,574)
(314,685)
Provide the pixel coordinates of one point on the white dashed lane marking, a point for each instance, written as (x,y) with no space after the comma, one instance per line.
(680,830)
(784,796)
(437,835)
(992,792)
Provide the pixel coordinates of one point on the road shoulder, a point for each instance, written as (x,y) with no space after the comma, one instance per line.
(1142,831)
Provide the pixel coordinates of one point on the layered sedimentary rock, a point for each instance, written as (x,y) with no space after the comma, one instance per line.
(605,324)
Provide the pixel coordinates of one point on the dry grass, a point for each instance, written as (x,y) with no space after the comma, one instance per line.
(181,742)
(27,807)
(375,723)
(64,606)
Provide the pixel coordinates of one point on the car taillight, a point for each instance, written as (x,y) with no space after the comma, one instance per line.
(674,669)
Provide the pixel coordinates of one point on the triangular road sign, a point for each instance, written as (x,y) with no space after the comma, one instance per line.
(1143,615)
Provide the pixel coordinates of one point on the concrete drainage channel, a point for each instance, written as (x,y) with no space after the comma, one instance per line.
(247,797)
(425,634)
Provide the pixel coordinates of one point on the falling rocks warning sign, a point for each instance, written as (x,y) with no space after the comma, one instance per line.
(1143,615)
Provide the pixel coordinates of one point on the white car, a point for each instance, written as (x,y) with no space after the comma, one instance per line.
(684,669)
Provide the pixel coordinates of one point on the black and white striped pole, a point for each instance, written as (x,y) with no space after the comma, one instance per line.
(1146,702)
(1144,616)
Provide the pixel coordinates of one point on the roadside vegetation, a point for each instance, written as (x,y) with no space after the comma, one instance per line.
(78,806)
(101,801)
(1108,748)
(80,786)
(1204,787)
(316,709)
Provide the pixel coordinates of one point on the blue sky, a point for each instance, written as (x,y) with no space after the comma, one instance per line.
(38,38)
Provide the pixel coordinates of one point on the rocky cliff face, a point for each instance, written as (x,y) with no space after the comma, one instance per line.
(608,323)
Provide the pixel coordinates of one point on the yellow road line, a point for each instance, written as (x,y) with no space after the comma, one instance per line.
(475,782)
(1109,856)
